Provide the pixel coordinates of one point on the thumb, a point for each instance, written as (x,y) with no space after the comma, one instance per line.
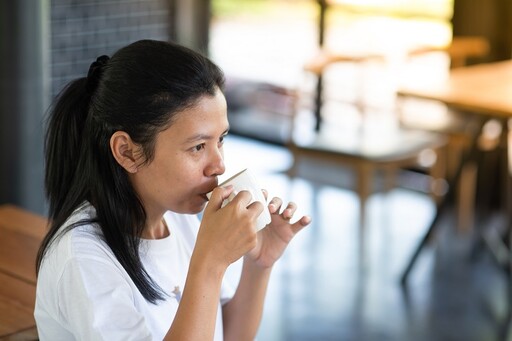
(219,194)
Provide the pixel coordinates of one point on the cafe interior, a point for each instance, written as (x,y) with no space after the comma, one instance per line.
(386,121)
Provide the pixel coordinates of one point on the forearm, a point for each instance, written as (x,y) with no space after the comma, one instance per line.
(197,312)
(242,314)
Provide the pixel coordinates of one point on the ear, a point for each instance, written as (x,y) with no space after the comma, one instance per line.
(125,151)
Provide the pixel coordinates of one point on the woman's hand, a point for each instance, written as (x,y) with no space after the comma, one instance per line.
(227,233)
(274,238)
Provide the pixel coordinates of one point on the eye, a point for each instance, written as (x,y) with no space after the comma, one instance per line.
(221,139)
(199,147)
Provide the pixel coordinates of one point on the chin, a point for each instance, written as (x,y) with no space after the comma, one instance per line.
(201,208)
(195,207)
(189,204)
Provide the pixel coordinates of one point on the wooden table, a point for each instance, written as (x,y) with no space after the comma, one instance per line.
(20,235)
(485,90)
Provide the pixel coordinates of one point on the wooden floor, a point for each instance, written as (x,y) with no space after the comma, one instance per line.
(336,282)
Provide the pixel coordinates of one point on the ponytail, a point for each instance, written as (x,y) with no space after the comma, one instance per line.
(65,150)
(64,139)
(63,142)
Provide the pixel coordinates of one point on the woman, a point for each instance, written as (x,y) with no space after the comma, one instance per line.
(131,151)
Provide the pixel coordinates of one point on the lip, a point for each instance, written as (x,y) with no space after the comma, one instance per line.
(211,187)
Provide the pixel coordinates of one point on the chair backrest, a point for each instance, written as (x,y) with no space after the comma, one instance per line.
(460,50)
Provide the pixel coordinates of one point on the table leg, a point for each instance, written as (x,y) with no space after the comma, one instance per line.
(467,158)
(507,208)
(441,207)
(499,243)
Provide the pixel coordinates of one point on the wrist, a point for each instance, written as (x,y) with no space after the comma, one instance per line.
(258,264)
(202,264)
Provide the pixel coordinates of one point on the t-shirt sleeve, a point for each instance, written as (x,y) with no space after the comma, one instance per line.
(96,302)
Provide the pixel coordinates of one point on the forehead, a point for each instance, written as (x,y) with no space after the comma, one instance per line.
(207,116)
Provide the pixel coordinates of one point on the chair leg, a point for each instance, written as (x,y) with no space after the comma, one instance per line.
(389,178)
(455,148)
(465,201)
(439,173)
(364,187)
(292,171)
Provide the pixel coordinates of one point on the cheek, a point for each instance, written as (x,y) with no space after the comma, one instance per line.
(186,173)
(181,172)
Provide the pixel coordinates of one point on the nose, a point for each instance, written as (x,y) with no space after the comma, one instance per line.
(216,165)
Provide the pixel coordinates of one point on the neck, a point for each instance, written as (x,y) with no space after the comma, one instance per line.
(155,229)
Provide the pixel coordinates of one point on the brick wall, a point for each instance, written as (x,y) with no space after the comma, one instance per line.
(82,30)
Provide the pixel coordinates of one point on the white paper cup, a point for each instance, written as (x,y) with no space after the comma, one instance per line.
(245,181)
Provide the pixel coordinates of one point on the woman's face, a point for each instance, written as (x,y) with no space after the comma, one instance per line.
(187,160)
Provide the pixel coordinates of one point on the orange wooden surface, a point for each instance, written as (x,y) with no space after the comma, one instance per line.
(20,220)
(17,300)
(483,89)
(20,235)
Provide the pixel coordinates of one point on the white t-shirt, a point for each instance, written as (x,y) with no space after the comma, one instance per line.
(83,292)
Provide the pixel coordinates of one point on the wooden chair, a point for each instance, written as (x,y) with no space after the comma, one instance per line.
(458,128)
(460,50)
(367,152)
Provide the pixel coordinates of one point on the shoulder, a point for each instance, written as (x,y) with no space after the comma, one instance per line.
(78,238)
(75,258)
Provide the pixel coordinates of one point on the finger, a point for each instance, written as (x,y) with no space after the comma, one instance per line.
(256,208)
(274,205)
(265,194)
(242,198)
(289,210)
(300,224)
(219,194)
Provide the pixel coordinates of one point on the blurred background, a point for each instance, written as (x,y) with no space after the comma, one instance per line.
(308,78)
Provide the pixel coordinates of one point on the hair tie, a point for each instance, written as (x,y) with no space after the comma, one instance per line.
(95,72)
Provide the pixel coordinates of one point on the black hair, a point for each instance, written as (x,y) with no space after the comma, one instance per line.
(139,91)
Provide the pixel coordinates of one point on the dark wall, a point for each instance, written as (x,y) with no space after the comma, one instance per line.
(488,18)
(83,30)
(46,43)
(23,98)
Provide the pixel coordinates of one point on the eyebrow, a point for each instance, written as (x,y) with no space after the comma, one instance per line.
(199,137)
